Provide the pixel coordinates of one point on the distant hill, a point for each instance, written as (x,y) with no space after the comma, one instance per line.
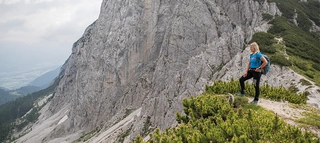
(44,80)
(15,79)
(22,91)
(3,88)
(9,95)
(5,96)
(39,83)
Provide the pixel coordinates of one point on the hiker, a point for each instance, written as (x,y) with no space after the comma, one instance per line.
(253,70)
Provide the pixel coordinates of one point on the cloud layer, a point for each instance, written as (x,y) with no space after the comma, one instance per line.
(41,32)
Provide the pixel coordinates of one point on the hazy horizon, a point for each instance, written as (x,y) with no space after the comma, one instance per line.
(37,35)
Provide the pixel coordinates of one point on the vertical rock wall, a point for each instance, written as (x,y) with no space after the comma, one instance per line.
(151,54)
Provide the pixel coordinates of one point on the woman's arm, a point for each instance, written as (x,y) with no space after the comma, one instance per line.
(264,63)
(246,72)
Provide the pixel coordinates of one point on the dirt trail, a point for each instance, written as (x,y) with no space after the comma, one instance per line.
(286,112)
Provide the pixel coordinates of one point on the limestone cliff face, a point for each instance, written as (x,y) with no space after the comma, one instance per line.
(150,55)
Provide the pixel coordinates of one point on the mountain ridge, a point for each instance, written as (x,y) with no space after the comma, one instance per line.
(41,82)
(45,79)
(151,55)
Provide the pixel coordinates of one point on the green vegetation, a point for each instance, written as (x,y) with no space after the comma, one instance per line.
(16,109)
(146,126)
(305,82)
(305,10)
(5,96)
(280,59)
(300,49)
(273,93)
(265,41)
(267,16)
(311,119)
(124,135)
(86,136)
(10,95)
(293,89)
(210,117)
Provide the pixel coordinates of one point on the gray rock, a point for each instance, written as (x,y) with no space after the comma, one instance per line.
(278,76)
(151,55)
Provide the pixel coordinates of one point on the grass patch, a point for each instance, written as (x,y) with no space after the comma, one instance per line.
(311,116)
(86,136)
(305,82)
(310,119)
(124,135)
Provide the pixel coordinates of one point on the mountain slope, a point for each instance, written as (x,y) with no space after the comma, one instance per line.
(37,84)
(9,95)
(5,96)
(151,54)
(44,80)
(3,88)
(147,56)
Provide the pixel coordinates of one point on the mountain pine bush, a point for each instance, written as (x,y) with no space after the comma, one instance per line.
(209,117)
(266,91)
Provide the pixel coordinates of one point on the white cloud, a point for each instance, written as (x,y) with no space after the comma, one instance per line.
(23,1)
(33,32)
(9,1)
(35,21)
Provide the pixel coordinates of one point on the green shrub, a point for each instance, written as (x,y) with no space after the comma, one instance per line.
(299,42)
(263,39)
(285,7)
(303,21)
(279,26)
(277,94)
(240,102)
(310,118)
(299,46)
(280,60)
(268,49)
(305,82)
(301,65)
(316,66)
(310,75)
(309,8)
(293,89)
(267,16)
(212,119)
(311,11)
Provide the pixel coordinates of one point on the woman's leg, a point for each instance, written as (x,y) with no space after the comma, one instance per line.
(256,83)
(243,79)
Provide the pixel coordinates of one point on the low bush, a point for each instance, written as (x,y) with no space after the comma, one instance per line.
(280,59)
(210,118)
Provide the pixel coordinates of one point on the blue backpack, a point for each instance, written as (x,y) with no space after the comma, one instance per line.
(265,69)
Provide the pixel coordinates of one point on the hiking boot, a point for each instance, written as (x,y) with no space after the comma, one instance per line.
(240,94)
(254,102)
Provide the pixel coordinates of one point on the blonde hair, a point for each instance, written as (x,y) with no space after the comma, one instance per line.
(255,47)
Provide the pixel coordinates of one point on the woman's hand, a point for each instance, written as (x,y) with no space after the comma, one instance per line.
(245,73)
(257,70)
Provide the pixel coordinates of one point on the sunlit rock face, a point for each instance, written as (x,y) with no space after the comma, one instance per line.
(150,55)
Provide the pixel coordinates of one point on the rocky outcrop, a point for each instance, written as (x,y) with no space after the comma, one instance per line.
(278,76)
(150,55)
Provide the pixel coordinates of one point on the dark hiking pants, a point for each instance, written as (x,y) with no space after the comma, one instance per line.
(256,82)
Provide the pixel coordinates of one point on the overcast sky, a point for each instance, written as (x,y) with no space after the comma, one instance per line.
(39,33)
